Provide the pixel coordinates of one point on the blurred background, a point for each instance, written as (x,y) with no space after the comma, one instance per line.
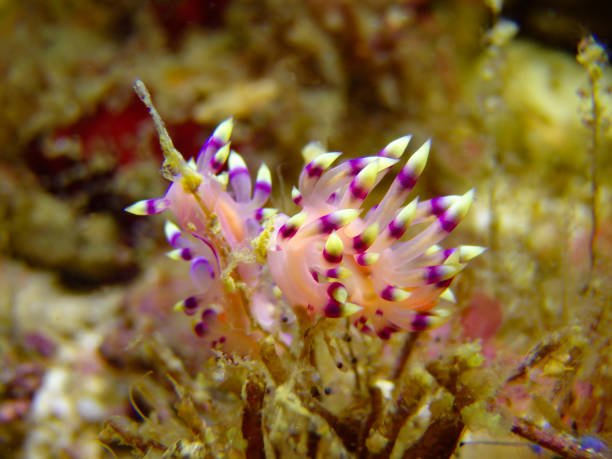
(498,87)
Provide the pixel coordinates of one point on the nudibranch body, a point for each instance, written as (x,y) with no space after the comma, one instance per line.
(338,260)
(381,267)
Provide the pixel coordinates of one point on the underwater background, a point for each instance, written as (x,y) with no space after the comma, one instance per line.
(516,98)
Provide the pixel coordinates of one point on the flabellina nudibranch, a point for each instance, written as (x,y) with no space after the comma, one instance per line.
(382,267)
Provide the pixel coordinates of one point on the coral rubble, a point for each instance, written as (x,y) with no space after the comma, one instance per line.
(96,362)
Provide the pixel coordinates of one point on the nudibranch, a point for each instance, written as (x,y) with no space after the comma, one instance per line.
(382,267)
(339,260)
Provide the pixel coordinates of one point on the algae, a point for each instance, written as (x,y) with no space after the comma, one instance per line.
(100,357)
